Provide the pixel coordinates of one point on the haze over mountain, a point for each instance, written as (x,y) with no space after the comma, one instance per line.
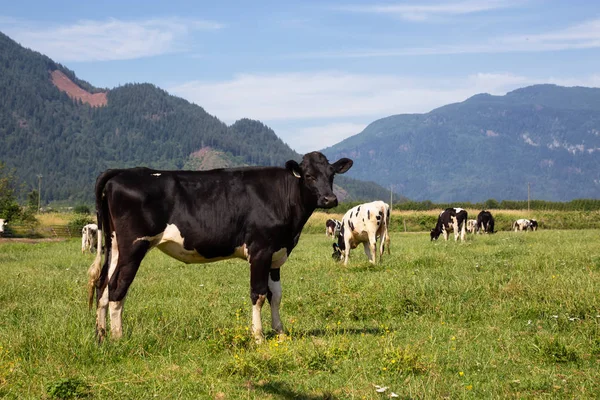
(58,126)
(487,147)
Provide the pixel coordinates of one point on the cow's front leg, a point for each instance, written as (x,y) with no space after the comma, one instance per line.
(274,296)
(259,288)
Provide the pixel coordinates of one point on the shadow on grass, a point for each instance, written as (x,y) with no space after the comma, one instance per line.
(283,391)
(328,332)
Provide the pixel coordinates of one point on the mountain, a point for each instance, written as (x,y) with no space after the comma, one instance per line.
(66,130)
(487,147)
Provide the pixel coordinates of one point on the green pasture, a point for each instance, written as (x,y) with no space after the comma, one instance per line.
(510,315)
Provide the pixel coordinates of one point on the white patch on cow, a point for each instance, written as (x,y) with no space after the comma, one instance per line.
(156,174)
(458,209)
(278,258)
(256,321)
(275,288)
(116,321)
(171,242)
(2,223)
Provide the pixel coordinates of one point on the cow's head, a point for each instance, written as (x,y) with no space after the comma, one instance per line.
(316,177)
(434,234)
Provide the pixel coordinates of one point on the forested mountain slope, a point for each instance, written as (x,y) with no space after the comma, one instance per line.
(55,125)
(487,147)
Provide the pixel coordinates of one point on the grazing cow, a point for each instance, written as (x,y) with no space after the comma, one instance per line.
(521,225)
(252,213)
(89,237)
(3,223)
(364,224)
(533,224)
(485,222)
(471,225)
(332,228)
(454,219)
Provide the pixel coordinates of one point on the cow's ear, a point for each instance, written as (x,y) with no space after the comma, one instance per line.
(294,168)
(342,165)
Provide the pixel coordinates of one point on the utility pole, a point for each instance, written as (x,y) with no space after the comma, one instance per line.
(39,193)
(528,197)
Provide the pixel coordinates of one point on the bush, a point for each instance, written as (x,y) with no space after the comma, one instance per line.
(79,221)
(82,209)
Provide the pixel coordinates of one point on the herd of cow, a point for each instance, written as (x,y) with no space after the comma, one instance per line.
(354,229)
(253,213)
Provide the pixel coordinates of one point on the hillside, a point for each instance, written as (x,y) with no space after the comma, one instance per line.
(487,147)
(58,126)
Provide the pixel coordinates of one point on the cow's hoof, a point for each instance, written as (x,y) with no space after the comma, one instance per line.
(281,337)
(259,338)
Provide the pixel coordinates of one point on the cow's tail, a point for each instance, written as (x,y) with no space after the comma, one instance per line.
(103,226)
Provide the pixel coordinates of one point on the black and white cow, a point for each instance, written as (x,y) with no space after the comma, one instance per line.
(332,228)
(485,222)
(533,224)
(454,219)
(471,225)
(364,224)
(521,224)
(252,213)
(3,223)
(89,238)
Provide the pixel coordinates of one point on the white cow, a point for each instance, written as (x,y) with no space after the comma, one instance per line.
(89,238)
(364,224)
(472,225)
(3,223)
(521,225)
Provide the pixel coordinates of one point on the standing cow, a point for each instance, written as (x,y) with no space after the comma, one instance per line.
(533,224)
(471,225)
(3,223)
(364,224)
(454,219)
(252,213)
(89,238)
(521,224)
(485,222)
(332,228)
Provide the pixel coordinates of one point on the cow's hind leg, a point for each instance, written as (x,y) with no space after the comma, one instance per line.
(126,262)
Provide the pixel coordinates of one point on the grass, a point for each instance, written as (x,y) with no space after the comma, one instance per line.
(511,315)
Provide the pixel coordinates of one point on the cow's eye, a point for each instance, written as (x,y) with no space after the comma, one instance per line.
(309,177)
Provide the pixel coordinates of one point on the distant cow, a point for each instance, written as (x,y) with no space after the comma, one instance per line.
(364,224)
(253,213)
(522,224)
(3,223)
(471,225)
(332,227)
(454,219)
(89,238)
(485,222)
(533,224)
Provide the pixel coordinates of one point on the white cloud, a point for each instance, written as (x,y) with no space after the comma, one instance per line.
(319,102)
(585,35)
(112,39)
(423,11)
(317,137)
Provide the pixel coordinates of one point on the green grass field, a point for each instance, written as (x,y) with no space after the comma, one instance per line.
(510,315)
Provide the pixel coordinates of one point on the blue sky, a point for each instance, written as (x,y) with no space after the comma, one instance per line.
(316,71)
